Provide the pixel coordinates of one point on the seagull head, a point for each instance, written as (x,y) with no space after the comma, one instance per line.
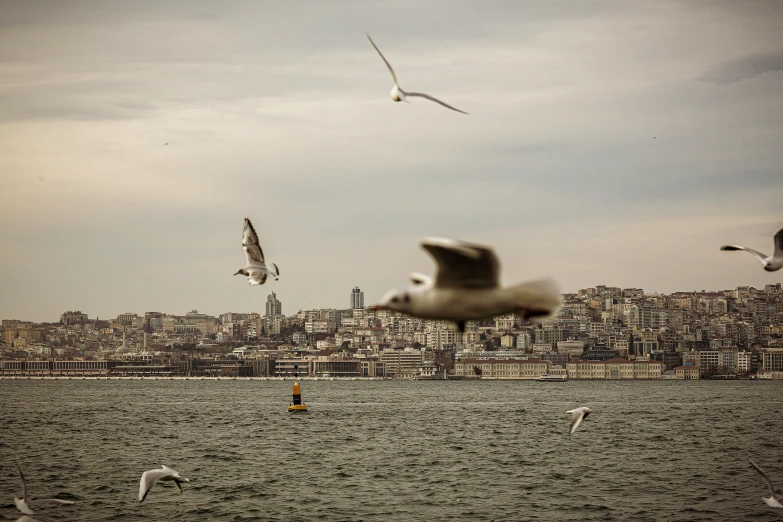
(768,266)
(240,271)
(396,300)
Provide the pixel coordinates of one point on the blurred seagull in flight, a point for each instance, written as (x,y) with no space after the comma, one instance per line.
(149,478)
(23,504)
(256,269)
(773,500)
(577,416)
(397,94)
(770,263)
(466,287)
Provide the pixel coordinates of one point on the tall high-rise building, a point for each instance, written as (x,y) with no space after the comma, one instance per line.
(273,306)
(357,298)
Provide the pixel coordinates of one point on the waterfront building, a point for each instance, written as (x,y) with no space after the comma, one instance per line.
(687,372)
(291,367)
(501,368)
(402,362)
(616,368)
(343,367)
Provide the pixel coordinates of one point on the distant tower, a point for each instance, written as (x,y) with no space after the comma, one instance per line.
(357,298)
(273,306)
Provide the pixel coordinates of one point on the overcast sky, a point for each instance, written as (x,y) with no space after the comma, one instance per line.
(616,143)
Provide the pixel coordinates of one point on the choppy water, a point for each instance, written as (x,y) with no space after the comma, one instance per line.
(394,450)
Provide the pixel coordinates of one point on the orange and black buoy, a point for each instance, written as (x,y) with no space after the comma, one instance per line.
(297,404)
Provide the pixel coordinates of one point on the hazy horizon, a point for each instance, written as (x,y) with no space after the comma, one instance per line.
(617,143)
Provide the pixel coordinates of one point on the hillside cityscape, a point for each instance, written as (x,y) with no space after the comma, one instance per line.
(600,333)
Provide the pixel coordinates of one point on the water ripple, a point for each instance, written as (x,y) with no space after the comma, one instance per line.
(394,450)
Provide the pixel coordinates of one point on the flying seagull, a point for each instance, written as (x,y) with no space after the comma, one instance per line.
(466,287)
(149,478)
(771,263)
(256,270)
(397,94)
(577,416)
(23,504)
(773,500)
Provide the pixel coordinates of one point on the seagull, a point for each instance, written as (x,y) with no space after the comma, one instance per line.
(397,94)
(466,287)
(773,500)
(771,263)
(149,478)
(256,270)
(577,416)
(23,504)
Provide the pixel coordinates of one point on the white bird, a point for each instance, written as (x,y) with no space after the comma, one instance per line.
(256,269)
(397,94)
(770,263)
(23,504)
(149,478)
(773,500)
(466,287)
(577,416)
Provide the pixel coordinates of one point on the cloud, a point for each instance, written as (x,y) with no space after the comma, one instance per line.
(743,68)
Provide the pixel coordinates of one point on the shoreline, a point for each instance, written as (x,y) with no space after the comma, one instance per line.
(451,378)
(179,378)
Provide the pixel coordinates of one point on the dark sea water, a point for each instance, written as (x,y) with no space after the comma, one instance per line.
(394,450)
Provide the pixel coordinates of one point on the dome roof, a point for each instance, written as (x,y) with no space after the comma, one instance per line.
(123,349)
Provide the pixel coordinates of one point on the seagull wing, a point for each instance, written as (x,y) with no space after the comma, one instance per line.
(25,496)
(577,416)
(148,479)
(257,278)
(394,76)
(756,253)
(432,98)
(250,243)
(462,264)
(778,244)
(765,477)
(42,501)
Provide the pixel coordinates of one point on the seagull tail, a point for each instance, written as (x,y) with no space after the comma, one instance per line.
(538,299)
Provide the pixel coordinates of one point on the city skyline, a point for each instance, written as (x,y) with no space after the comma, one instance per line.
(273,304)
(617,142)
(599,333)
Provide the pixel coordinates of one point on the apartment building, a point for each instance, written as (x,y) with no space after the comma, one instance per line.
(502,368)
